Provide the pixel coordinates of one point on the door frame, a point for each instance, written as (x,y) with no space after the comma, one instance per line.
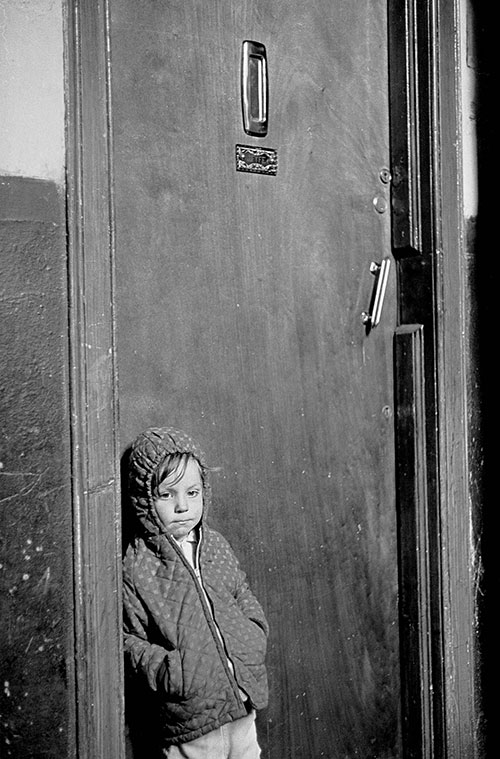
(436,412)
(99,707)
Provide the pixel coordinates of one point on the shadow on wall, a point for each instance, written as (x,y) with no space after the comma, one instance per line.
(486,286)
(127,531)
(140,737)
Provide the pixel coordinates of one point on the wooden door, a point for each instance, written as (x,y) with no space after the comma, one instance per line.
(239,318)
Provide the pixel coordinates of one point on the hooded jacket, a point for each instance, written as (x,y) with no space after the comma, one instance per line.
(171,640)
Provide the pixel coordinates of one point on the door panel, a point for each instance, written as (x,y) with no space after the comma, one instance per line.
(239,301)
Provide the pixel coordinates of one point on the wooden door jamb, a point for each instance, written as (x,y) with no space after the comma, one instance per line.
(95,468)
(439,557)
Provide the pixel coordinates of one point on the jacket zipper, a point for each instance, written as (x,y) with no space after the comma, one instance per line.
(196,574)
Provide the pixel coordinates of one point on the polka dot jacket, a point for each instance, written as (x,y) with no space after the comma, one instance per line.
(171,641)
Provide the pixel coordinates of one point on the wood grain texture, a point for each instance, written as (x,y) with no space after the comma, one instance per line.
(239,301)
(98,654)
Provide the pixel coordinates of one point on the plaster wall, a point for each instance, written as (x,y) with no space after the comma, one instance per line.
(31,89)
(37,689)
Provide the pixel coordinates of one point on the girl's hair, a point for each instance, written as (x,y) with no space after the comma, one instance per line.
(174,463)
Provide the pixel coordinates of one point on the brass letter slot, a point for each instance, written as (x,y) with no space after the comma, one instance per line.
(254,88)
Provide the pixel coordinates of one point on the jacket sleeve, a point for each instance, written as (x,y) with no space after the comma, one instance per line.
(149,659)
(247,601)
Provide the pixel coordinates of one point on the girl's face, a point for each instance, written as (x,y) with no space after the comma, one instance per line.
(179,505)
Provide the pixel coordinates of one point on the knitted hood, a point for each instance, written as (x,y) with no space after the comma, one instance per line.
(146,454)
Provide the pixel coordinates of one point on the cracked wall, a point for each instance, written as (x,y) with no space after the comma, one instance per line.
(36,588)
(37,690)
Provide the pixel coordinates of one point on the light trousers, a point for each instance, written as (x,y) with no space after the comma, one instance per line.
(235,740)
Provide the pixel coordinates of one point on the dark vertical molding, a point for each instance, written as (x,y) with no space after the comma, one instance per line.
(99,708)
(412,93)
(409,71)
(413,542)
(442,712)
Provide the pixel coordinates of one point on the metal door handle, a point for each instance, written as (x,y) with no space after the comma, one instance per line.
(254,88)
(381,271)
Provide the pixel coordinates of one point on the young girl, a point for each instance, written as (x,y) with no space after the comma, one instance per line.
(193,630)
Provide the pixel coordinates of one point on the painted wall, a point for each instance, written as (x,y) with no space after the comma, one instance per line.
(36,588)
(31,89)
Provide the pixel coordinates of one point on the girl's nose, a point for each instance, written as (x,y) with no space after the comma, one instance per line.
(181,503)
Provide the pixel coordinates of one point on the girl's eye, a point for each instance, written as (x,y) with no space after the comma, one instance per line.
(165,496)
(193,493)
